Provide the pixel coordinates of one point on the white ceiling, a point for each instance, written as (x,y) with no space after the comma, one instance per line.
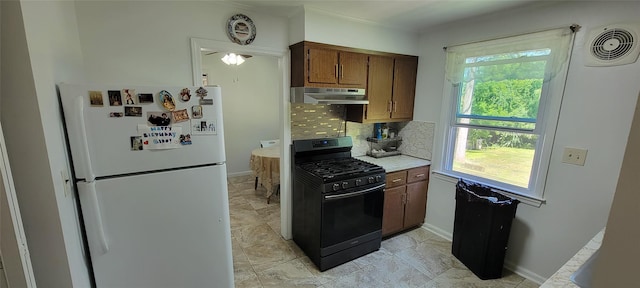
(413,16)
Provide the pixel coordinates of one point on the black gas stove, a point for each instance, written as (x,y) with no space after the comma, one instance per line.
(337,201)
(343,173)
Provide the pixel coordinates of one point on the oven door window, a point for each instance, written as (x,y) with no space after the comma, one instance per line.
(345,218)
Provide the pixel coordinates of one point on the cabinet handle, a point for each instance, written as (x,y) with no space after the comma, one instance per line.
(395,106)
(396,180)
(336,70)
(389,105)
(420,175)
(404,199)
(341,71)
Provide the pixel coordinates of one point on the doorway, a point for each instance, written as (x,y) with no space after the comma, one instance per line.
(272,61)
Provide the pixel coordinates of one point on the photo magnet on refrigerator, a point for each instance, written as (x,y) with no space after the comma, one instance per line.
(158,118)
(136,143)
(167,100)
(206,101)
(145,98)
(203,127)
(115,99)
(133,111)
(129,98)
(185,139)
(180,115)
(95,98)
(196,111)
(185,94)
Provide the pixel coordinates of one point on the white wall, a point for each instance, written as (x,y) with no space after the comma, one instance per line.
(596,114)
(250,105)
(148,42)
(38,53)
(330,29)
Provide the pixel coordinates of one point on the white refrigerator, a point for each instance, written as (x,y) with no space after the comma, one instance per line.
(149,165)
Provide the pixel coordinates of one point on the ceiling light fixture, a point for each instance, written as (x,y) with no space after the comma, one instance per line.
(232,59)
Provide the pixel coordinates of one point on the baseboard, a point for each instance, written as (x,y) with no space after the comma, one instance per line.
(438,231)
(236,174)
(526,273)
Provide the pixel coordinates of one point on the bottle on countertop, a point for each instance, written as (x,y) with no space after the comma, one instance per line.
(377,130)
(385,131)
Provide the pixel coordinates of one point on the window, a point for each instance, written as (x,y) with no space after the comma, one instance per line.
(503,106)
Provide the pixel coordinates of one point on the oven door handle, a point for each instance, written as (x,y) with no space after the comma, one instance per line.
(352,194)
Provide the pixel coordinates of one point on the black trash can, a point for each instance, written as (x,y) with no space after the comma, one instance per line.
(481,228)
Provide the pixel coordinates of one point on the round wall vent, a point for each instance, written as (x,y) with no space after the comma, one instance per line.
(612,45)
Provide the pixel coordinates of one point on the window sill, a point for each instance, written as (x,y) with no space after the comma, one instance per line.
(529,200)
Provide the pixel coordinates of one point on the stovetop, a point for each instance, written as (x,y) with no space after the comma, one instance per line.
(340,168)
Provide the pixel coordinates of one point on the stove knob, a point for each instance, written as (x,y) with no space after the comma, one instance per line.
(370,180)
(345,185)
(336,187)
(378,178)
(358,182)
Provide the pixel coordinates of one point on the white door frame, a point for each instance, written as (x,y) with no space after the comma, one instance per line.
(197,46)
(18,270)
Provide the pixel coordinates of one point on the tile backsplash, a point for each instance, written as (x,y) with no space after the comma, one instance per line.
(417,139)
(359,133)
(310,121)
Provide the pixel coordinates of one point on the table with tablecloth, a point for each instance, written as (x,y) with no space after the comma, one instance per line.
(265,164)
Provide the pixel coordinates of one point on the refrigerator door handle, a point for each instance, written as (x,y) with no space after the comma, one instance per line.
(86,157)
(92,206)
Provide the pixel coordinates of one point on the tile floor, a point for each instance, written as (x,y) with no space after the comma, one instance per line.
(262,258)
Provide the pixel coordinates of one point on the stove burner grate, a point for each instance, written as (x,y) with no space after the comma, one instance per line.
(336,168)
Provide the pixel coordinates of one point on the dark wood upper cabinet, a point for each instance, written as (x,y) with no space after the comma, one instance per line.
(320,65)
(352,69)
(405,72)
(323,66)
(389,79)
(380,87)
(391,90)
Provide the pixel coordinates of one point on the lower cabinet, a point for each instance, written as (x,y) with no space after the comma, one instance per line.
(405,199)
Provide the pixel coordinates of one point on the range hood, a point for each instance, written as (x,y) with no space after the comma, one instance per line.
(329,96)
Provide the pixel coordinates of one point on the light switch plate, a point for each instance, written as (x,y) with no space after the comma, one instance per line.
(575,156)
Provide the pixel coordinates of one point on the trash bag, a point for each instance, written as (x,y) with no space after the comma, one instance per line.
(481,228)
(475,192)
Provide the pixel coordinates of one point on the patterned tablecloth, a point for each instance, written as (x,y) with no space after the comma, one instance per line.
(265,164)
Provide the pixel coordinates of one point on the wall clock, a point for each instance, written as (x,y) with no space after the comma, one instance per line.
(241,29)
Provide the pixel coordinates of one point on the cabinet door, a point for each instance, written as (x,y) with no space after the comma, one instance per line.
(353,69)
(323,66)
(404,87)
(416,206)
(379,87)
(393,215)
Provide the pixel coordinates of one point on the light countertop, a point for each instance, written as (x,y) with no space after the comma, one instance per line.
(561,277)
(396,163)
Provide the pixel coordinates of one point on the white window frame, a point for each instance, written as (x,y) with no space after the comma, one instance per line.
(546,124)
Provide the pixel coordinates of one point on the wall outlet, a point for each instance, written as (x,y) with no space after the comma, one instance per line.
(575,156)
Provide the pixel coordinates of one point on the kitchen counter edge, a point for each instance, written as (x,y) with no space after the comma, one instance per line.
(395,163)
(561,277)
